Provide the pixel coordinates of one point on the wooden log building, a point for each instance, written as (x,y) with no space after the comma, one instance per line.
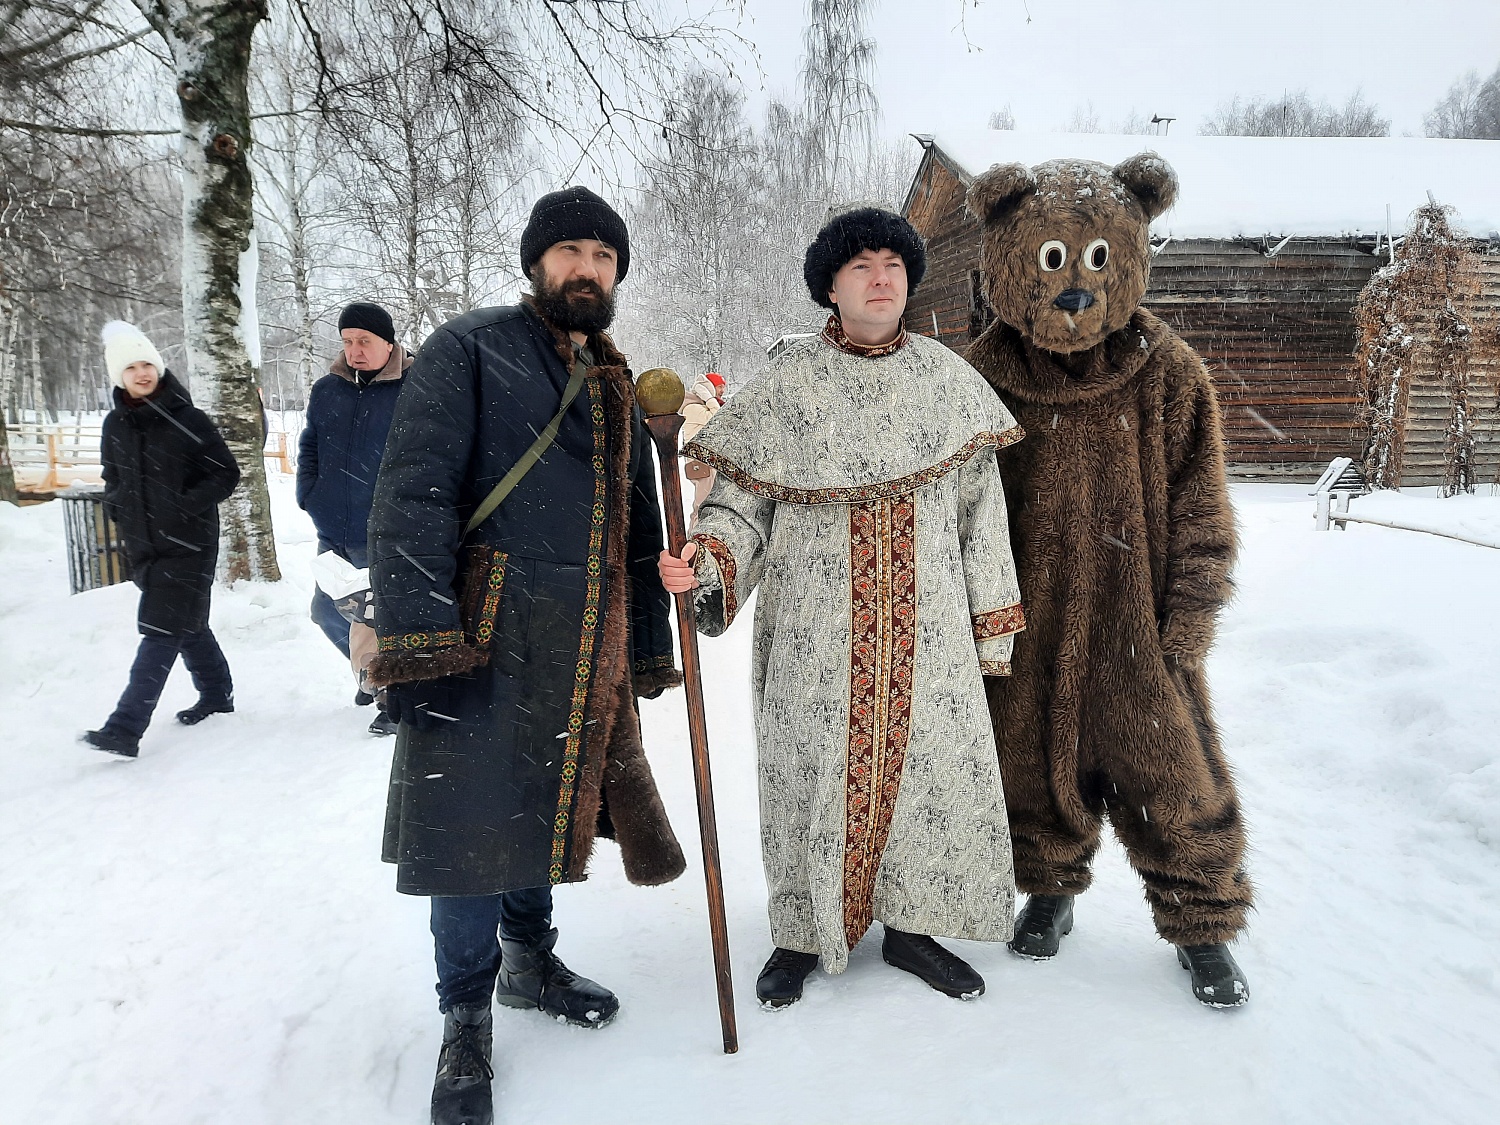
(1258,266)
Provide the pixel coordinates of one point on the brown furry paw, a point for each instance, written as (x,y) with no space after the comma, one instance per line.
(1186,637)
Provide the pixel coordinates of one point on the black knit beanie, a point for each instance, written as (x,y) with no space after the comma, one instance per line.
(369,318)
(867,228)
(574,212)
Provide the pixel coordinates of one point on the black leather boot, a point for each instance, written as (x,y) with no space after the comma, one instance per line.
(461,1091)
(192,716)
(780,982)
(1044,922)
(532,976)
(1217,980)
(919,955)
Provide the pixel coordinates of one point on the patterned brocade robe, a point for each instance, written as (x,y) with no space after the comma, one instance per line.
(858,493)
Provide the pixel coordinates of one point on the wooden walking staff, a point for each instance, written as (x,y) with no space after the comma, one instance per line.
(660,395)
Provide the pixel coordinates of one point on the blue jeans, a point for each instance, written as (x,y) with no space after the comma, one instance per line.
(327,618)
(153,664)
(466,936)
(324,615)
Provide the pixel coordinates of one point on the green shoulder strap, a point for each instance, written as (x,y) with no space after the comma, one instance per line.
(529,459)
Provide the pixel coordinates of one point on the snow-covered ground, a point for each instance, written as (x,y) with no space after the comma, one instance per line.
(206,934)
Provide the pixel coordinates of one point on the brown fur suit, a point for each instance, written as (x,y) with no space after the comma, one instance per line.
(1124,539)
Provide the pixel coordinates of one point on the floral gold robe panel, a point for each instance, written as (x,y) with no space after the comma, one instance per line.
(880,604)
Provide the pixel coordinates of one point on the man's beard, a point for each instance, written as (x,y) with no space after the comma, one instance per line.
(579,305)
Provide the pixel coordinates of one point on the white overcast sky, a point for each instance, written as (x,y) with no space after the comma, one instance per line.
(1177,58)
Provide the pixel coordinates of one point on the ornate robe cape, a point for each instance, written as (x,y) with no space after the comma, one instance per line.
(860,496)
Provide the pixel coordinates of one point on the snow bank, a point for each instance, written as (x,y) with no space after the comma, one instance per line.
(207,935)
(1275,186)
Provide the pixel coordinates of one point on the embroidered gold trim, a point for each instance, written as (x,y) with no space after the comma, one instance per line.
(859,494)
(994,667)
(999,622)
(655,664)
(415,642)
(724,557)
(833,334)
(583,670)
(883,584)
(484,626)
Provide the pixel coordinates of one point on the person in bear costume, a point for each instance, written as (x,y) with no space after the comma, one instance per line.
(1124,539)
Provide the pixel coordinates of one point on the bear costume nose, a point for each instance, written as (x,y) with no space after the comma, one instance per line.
(1074,300)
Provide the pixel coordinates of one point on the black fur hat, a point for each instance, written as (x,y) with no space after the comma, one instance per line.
(866,228)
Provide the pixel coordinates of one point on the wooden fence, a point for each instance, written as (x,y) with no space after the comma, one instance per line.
(49,457)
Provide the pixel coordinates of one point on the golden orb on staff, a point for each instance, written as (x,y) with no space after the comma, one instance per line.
(659,391)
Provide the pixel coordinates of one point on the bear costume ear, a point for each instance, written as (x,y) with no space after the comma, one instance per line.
(999,190)
(1151,180)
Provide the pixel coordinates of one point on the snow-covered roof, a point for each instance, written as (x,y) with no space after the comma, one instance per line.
(1279,186)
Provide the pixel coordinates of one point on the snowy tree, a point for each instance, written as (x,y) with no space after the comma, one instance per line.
(1085,119)
(838,94)
(1003,119)
(436,150)
(699,279)
(296,189)
(83,200)
(1296,115)
(1470,109)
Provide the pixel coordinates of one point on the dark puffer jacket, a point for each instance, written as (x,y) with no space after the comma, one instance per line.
(166,470)
(338,457)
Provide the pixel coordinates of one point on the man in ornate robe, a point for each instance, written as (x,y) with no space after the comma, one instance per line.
(873,527)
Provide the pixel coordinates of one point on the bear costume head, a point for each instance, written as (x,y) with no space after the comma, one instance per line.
(1066,245)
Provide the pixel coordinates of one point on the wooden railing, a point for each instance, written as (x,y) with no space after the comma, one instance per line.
(281,452)
(48,457)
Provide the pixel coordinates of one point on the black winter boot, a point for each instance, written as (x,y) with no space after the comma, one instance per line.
(780,982)
(532,976)
(461,1090)
(919,955)
(383,724)
(113,742)
(1217,980)
(1044,922)
(192,716)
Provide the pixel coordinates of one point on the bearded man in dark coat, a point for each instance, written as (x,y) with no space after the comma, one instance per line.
(512,650)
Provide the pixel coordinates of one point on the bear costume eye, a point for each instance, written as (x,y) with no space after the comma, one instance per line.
(1095,254)
(1052,255)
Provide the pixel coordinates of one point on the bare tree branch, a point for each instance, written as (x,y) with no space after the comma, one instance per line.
(79,131)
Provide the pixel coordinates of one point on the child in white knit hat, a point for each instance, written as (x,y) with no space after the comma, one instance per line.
(126,346)
(166,470)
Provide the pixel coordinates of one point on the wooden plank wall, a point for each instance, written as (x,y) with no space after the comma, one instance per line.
(1278,336)
(1277,333)
(936,209)
(1428,408)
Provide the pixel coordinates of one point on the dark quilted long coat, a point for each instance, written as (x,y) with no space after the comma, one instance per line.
(550,615)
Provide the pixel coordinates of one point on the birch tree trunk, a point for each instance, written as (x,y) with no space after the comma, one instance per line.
(307,373)
(210,45)
(7,346)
